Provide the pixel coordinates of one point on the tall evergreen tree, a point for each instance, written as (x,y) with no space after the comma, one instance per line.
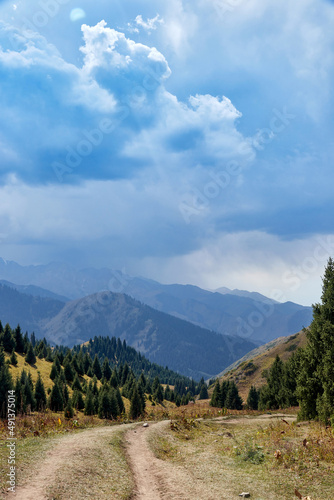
(216,396)
(233,400)
(19,342)
(89,403)
(39,394)
(13,358)
(7,339)
(77,400)
(203,394)
(28,395)
(253,398)
(97,370)
(315,386)
(106,370)
(56,402)
(30,356)
(6,384)
(135,404)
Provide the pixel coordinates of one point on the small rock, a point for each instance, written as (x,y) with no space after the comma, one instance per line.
(244,495)
(145,425)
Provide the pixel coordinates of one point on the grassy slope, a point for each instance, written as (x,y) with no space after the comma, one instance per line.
(262,358)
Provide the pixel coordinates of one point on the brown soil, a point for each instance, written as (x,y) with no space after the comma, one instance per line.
(66,451)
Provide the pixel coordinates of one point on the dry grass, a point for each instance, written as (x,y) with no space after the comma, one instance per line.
(99,471)
(42,366)
(245,378)
(264,456)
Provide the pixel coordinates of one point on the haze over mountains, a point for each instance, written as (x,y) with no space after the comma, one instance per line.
(237,313)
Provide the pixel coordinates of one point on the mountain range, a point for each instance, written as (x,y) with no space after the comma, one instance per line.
(230,312)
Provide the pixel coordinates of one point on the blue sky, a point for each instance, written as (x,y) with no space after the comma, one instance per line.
(186,141)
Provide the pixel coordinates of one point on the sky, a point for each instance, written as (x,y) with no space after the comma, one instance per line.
(184,141)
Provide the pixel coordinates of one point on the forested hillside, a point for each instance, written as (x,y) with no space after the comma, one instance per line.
(96,378)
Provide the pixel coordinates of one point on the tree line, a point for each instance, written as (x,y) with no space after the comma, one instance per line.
(108,381)
(306,379)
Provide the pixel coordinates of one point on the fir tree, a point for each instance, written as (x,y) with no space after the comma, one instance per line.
(135,404)
(56,402)
(315,386)
(97,368)
(28,395)
(114,408)
(54,371)
(6,384)
(2,356)
(68,371)
(76,383)
(106,370)
(68,412)
(7,339)
(159,394)
(233,400)
(30,356)
(120,402)
(19,342)
(13,358)
(253,398)
(216,396)
(40,395)
(89,403)
(77,400)
(204,392)
(20,406)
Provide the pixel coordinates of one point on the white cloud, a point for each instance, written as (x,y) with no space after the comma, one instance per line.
(150,24)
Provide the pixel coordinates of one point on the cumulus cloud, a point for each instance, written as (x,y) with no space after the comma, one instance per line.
(61,110)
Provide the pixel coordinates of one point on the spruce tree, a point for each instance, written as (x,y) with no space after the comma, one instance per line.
(120,402)
(89,403)
(30,356)
(253,398)
(68,412)
(54,371)
(2,356)
(19,342)
(159,394)
(20,406)
(6,384)
(76,383)
(68,371)
(233,400)
(216,396)
(106,370)
(114,408)
(77,400)
(135,404)
(203,394)
(97,368)
(40,395)
(28,396)
(13,358)
(7,339)
(56,402)
(315,385)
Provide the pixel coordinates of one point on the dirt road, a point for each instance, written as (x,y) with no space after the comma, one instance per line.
(88,464)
